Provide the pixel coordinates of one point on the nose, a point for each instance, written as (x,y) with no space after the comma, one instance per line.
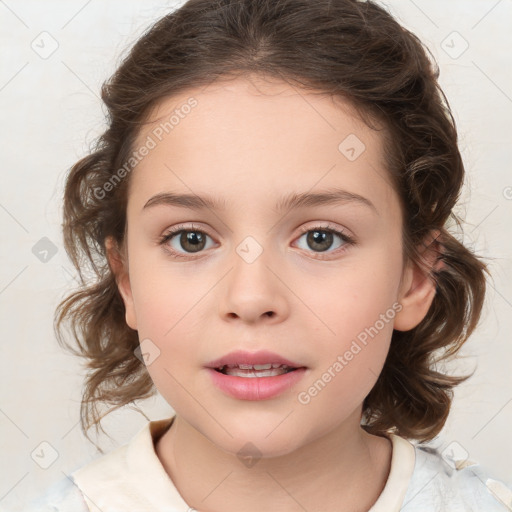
(254,291)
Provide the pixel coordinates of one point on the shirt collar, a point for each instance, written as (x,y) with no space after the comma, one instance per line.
(132,477)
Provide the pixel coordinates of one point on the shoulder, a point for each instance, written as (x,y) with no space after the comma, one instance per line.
(63,496)
(442,482)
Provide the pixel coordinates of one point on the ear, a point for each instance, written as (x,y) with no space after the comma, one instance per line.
(418,287)
(119,266)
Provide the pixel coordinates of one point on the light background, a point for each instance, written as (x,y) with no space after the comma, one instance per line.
(51,113)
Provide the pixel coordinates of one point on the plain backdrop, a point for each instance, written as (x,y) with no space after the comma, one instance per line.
(54,56)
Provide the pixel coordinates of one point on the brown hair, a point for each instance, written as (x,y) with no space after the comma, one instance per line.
(355,50)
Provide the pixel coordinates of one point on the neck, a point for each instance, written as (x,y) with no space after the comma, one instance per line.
(345,469)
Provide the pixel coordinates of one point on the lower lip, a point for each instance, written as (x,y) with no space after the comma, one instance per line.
(255,388)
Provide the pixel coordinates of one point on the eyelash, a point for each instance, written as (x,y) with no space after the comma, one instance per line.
(325,228)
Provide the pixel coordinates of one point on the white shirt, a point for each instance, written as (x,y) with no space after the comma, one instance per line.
(131,478)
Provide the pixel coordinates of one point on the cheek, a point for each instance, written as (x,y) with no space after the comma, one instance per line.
(355,297)
(349,360)
(164,300)
(168,308)
(353,325)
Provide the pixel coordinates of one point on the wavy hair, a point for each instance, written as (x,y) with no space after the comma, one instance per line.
(347,48)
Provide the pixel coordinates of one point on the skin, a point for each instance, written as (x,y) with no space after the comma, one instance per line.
(249,141)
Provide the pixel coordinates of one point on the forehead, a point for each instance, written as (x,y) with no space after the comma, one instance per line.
(249,139)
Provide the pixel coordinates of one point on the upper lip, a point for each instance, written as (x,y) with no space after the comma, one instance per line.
(252,358)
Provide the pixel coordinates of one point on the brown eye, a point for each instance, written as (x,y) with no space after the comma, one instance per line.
(192,241)
(321,239)
(180,242)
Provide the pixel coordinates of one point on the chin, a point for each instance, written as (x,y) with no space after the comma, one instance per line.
(250,440)
(253,448)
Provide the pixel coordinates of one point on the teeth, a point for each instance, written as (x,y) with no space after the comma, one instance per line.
(237,372)
(257,370)
(266,366)
(263,366)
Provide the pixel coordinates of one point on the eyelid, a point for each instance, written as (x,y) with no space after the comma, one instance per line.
(172,232)
(303,229)
(314,225)
(328,226)
(348,239)
(169,233)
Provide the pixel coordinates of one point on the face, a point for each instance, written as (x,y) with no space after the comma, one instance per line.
(316,282)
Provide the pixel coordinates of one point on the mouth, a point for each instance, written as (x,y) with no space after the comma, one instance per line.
(263,363)
(256,381)
(258,375)
(257,370)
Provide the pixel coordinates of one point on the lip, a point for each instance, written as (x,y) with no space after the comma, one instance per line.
(255,388)
(252,358)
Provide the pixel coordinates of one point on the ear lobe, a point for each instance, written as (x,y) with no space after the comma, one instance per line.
(418,287)
(120,270)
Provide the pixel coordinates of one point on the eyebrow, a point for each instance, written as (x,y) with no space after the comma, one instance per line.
(294,200)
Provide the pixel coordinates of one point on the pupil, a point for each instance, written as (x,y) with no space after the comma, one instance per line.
(320,237)
(193,239)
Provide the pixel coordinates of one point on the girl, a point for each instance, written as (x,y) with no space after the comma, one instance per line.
(266,218)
